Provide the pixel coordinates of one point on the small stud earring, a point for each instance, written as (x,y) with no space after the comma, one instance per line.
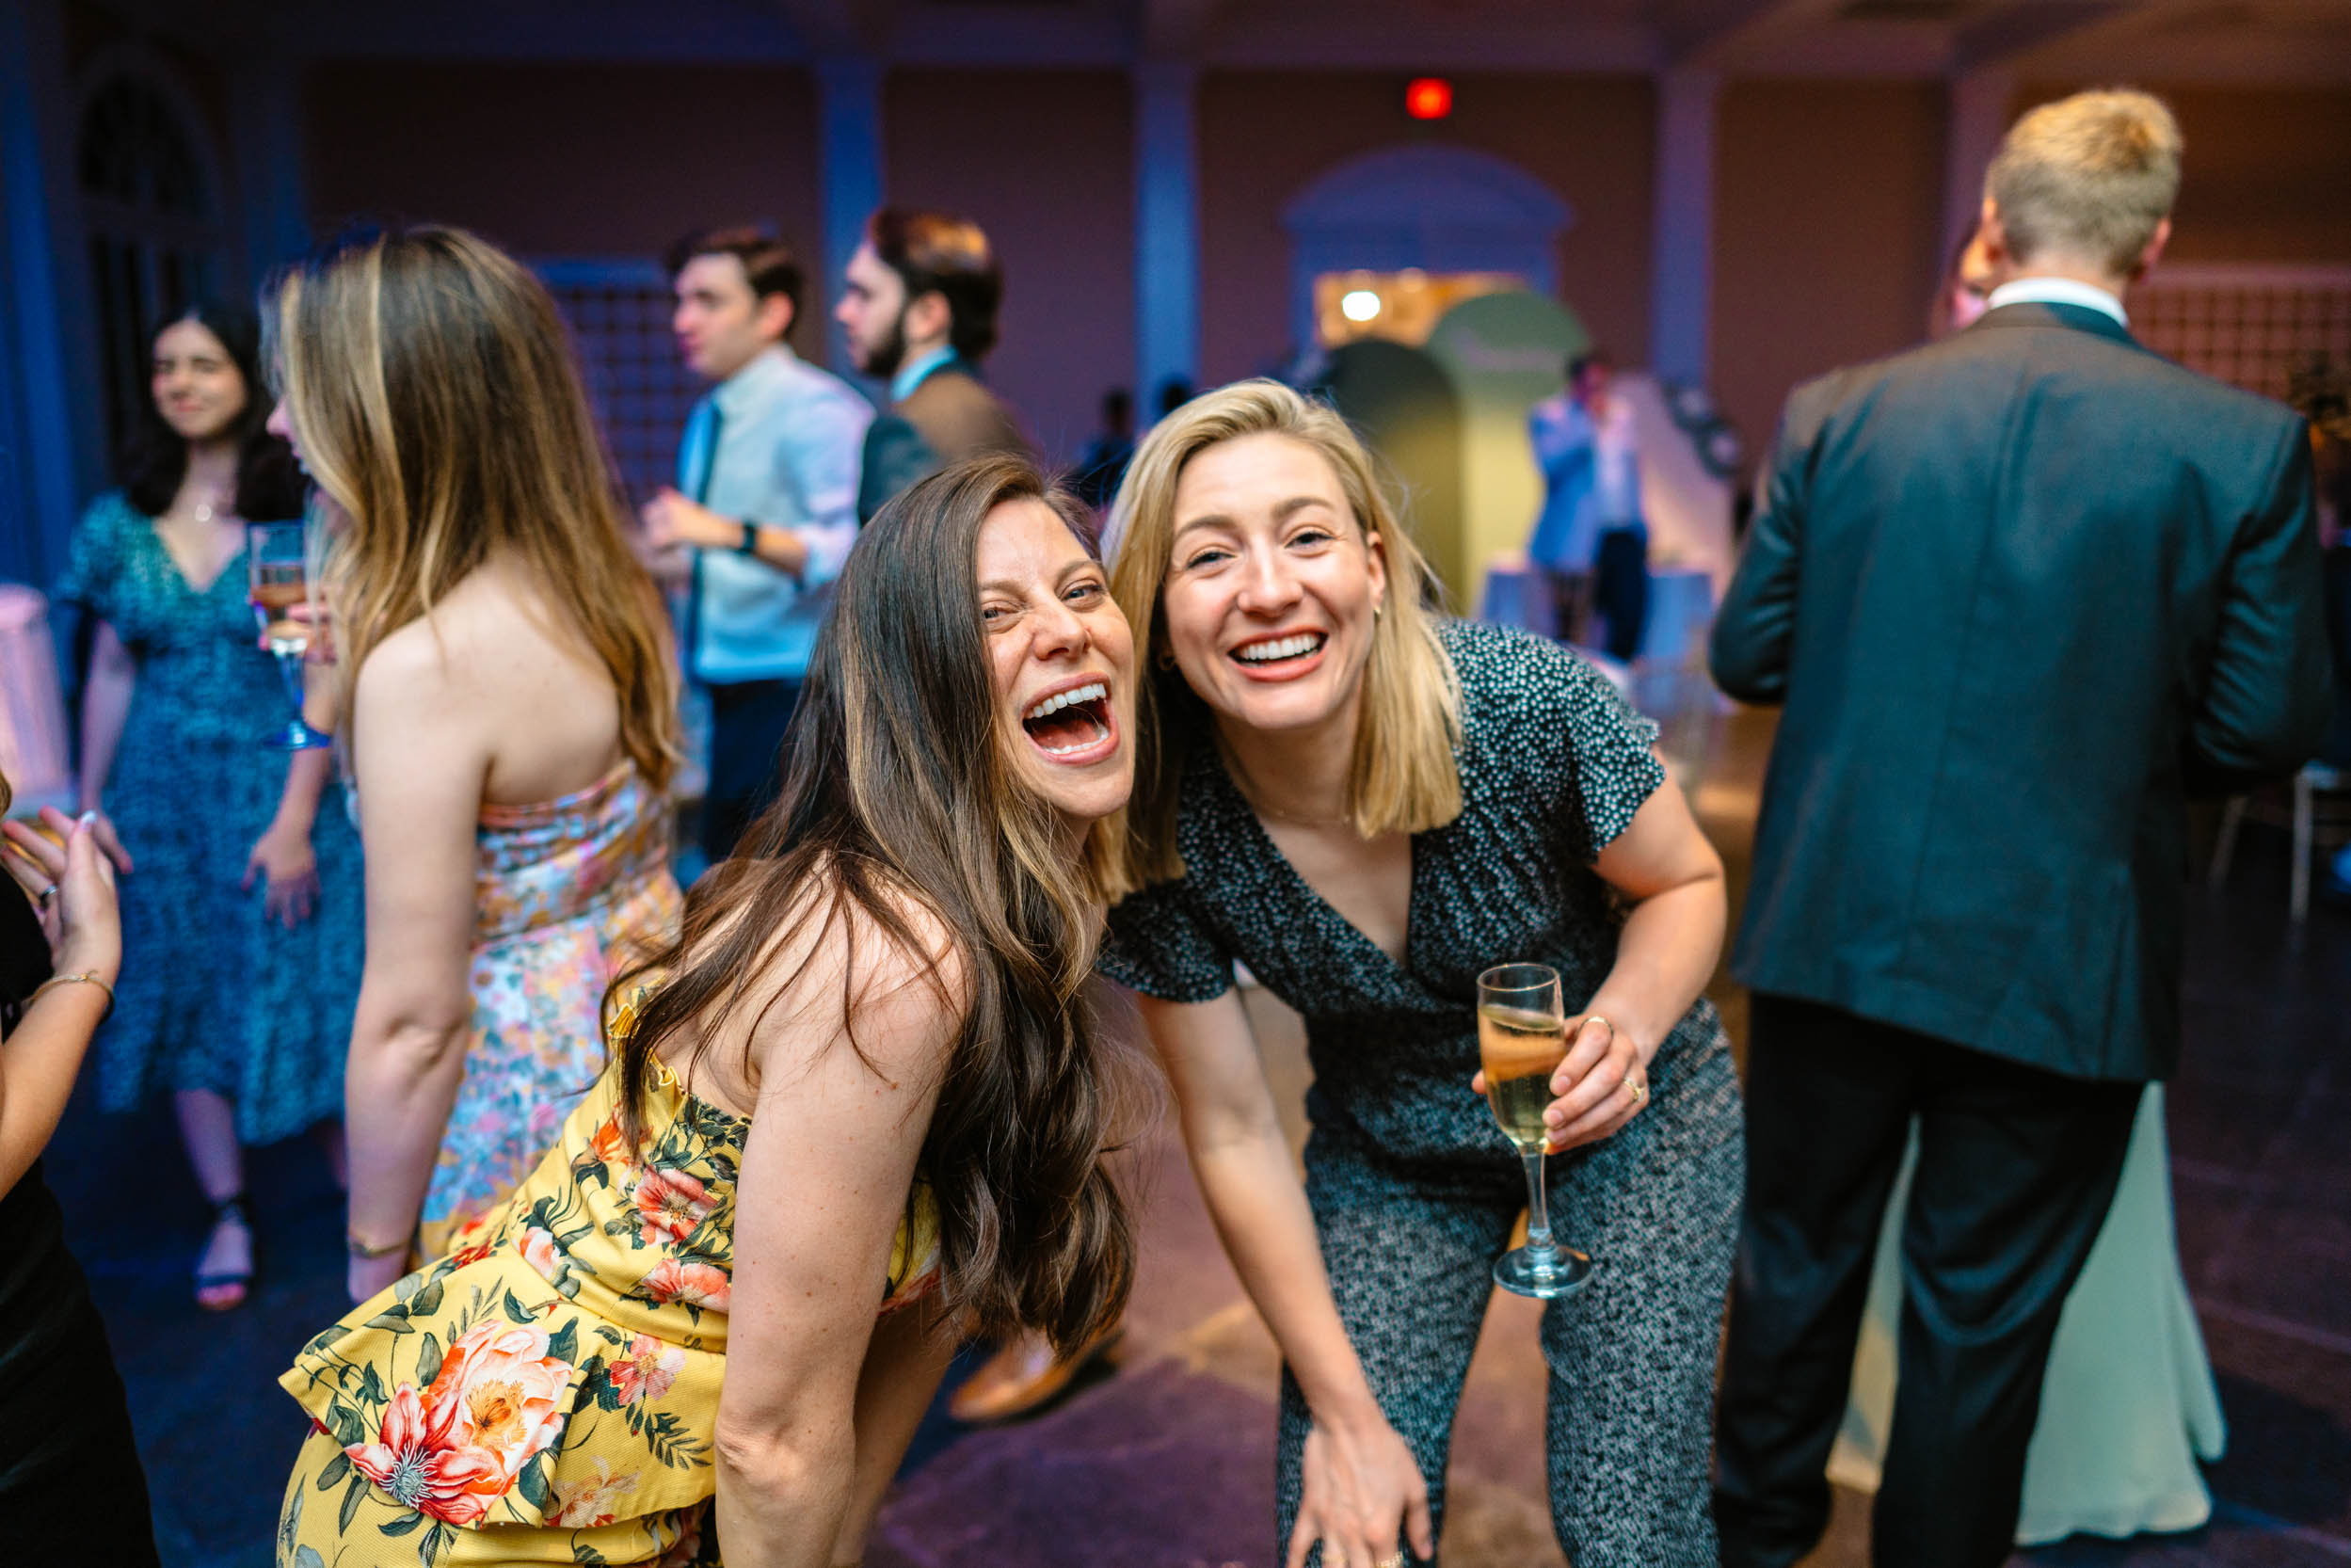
(1166,659)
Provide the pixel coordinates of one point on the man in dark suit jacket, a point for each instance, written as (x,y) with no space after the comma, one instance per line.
(918,305)
(2019,592)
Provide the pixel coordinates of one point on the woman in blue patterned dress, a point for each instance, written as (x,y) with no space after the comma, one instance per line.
(243,905)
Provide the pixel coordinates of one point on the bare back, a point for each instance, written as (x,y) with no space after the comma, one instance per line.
(523,684)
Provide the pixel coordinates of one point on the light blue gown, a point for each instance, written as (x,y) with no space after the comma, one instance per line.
(2129,1405)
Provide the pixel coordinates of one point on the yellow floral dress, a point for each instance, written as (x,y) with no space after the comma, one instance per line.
(546,1392)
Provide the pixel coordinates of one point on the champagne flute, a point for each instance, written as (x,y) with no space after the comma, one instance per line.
(278,579)
(1522,1038)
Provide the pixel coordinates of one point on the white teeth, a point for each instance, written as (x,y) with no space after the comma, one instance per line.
(1092,692)
(1285,648)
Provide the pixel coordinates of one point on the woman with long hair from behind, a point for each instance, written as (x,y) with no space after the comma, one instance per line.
(511,709)
(859,1108)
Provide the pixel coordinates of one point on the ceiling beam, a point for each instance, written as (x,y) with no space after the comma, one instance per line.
(838,26)
(1176,30)
(2001,38)
(1707,32)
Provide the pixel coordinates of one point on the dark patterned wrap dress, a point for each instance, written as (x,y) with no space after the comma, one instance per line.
(215,994)
(1415,1191)
(70,1486)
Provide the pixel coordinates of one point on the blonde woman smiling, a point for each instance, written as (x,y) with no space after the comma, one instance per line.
(1367,806)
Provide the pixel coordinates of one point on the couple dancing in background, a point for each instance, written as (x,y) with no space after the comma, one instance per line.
(2020,592)
(898,964)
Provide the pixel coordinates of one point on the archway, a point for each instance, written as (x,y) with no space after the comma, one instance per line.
(1435,209)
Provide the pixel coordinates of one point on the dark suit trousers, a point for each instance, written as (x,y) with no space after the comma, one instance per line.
(2016,1169)
(1620,589)
(748,721)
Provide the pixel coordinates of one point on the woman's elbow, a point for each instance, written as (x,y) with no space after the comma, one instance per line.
(410,1042)
(787,1471)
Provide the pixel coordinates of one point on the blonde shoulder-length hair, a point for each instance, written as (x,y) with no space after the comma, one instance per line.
(1403,777)
(438,404)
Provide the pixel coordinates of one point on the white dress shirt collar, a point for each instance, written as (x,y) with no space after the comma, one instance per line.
(2058,291)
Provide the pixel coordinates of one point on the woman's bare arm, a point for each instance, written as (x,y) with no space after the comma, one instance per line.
(1667,952)
(105,704)
(420,762)
(825,1174)
(1362,1486)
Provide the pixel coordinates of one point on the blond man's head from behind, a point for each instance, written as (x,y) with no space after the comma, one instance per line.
(2086,183)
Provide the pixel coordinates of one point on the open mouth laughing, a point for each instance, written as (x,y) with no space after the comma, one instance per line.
(1074,724)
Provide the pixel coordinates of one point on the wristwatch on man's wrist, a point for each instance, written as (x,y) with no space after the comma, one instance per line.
(749,543)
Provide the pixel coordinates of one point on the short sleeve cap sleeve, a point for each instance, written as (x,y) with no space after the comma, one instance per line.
(1558,729)
(1610,751)
(94,563)
(1159,946)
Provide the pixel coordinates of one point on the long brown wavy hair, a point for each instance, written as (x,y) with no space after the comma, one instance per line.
(437,402)
(897,789)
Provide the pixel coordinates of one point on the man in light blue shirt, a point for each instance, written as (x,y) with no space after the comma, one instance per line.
(765,504)
(1591,542)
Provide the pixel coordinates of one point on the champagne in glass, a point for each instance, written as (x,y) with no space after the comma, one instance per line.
(1522,1038)
(278,579)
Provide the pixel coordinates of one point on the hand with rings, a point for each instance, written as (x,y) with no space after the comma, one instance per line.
(1601,1082)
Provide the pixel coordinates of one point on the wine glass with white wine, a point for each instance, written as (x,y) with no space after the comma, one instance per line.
(277,565)
(1522,1038)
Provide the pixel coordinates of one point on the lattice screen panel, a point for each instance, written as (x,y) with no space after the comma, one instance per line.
(619,314)
(2254,326)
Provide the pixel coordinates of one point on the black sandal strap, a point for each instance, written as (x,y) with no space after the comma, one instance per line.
(232,1208)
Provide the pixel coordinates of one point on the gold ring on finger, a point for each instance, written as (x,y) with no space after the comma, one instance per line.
(1641,1090)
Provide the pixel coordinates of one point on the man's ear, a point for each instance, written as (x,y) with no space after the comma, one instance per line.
(928,315)
(775,316)
(1994,232)
(2153,252)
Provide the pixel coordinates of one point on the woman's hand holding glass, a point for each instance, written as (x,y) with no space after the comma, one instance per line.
(1594,1085)
(1602,1083)
(1360,1490)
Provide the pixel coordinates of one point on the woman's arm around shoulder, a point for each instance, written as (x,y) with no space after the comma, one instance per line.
(846,1063)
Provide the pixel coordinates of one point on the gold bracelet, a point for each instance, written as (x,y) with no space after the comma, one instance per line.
(87,977)
(360,1249)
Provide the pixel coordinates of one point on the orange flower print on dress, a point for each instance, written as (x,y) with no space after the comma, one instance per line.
(687,1284)
(587,1504)
(459,1447)
(670,1205)
(609,1144)
(645,1370)
(542,1253)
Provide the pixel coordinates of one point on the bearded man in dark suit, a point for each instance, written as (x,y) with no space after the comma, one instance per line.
(2019,592)
(918,305)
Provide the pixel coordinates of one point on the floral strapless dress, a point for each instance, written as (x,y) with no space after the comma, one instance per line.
(547,1392)
(566,892)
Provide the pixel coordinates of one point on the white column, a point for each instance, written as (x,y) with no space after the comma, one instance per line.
(267,120)
(1978,119)
(1167,230)
(849,145)
(50,407)
(1682,250)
